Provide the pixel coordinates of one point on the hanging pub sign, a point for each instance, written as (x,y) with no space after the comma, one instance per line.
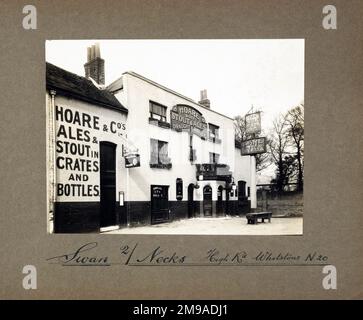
(187,118)
(132,160)
(253,146)
(253,123)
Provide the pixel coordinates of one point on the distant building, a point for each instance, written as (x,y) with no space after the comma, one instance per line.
(136,153)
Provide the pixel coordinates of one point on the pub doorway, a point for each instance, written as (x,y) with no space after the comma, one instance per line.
(159,204)
(220,201)
(207,201)
(107,184)
(227,209)
(191,211)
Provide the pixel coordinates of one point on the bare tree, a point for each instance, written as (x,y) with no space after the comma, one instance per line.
(263,160)
(294,120)
(279,152)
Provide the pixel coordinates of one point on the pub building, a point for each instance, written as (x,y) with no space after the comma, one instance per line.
(136,153)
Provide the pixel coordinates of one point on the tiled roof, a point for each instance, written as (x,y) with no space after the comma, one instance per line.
(70,84)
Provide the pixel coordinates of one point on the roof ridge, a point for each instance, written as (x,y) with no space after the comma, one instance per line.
(133,73)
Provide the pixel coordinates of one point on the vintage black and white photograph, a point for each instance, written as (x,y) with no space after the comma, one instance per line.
(187,137)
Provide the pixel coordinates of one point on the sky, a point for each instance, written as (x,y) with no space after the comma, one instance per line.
(238,74)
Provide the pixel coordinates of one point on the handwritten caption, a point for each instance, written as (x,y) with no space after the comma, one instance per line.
(137,254)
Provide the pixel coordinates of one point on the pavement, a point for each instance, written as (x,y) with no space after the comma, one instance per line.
(219,226)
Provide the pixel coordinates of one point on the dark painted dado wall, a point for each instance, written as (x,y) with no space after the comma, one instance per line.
(84,217)
(139,213)
(178,210)
(76,217)
(237,208)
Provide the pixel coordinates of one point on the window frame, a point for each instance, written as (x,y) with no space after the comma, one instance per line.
(163,159)
(162,116)
(212,155)
(213,131)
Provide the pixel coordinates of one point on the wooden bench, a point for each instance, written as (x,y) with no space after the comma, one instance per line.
(252,218)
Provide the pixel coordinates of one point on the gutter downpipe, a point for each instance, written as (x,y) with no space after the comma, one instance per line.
(52,173)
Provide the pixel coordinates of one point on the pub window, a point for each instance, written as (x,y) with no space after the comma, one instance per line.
(213,157)
(159,152)
(157,111)
(241,190)
(213,131)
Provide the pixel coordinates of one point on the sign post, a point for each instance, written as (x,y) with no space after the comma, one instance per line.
(252,147)
(253,182)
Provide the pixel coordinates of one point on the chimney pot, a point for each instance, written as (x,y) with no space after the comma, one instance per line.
(88,54)
(203,94)
(204,98)
(97,50)
(95,65)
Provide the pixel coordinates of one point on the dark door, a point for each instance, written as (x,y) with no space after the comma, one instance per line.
(207,201)
(107,184)
(191,201)
(159,204)
(220,200)
(227,202)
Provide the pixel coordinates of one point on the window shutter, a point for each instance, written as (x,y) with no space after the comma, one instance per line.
(163,152)
(153,151)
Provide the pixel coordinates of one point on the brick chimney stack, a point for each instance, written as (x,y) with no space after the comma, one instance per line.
(95,65)
(203,99)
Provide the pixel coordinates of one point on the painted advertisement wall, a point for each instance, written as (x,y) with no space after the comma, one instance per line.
(75,131)
(79,129)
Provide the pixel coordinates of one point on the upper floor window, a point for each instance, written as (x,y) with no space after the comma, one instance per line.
(213,157)
(159,154)
(213,131)
(157,111)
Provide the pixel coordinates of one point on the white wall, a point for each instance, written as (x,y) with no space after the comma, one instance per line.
(242,168)
(135,95)
(105,116)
